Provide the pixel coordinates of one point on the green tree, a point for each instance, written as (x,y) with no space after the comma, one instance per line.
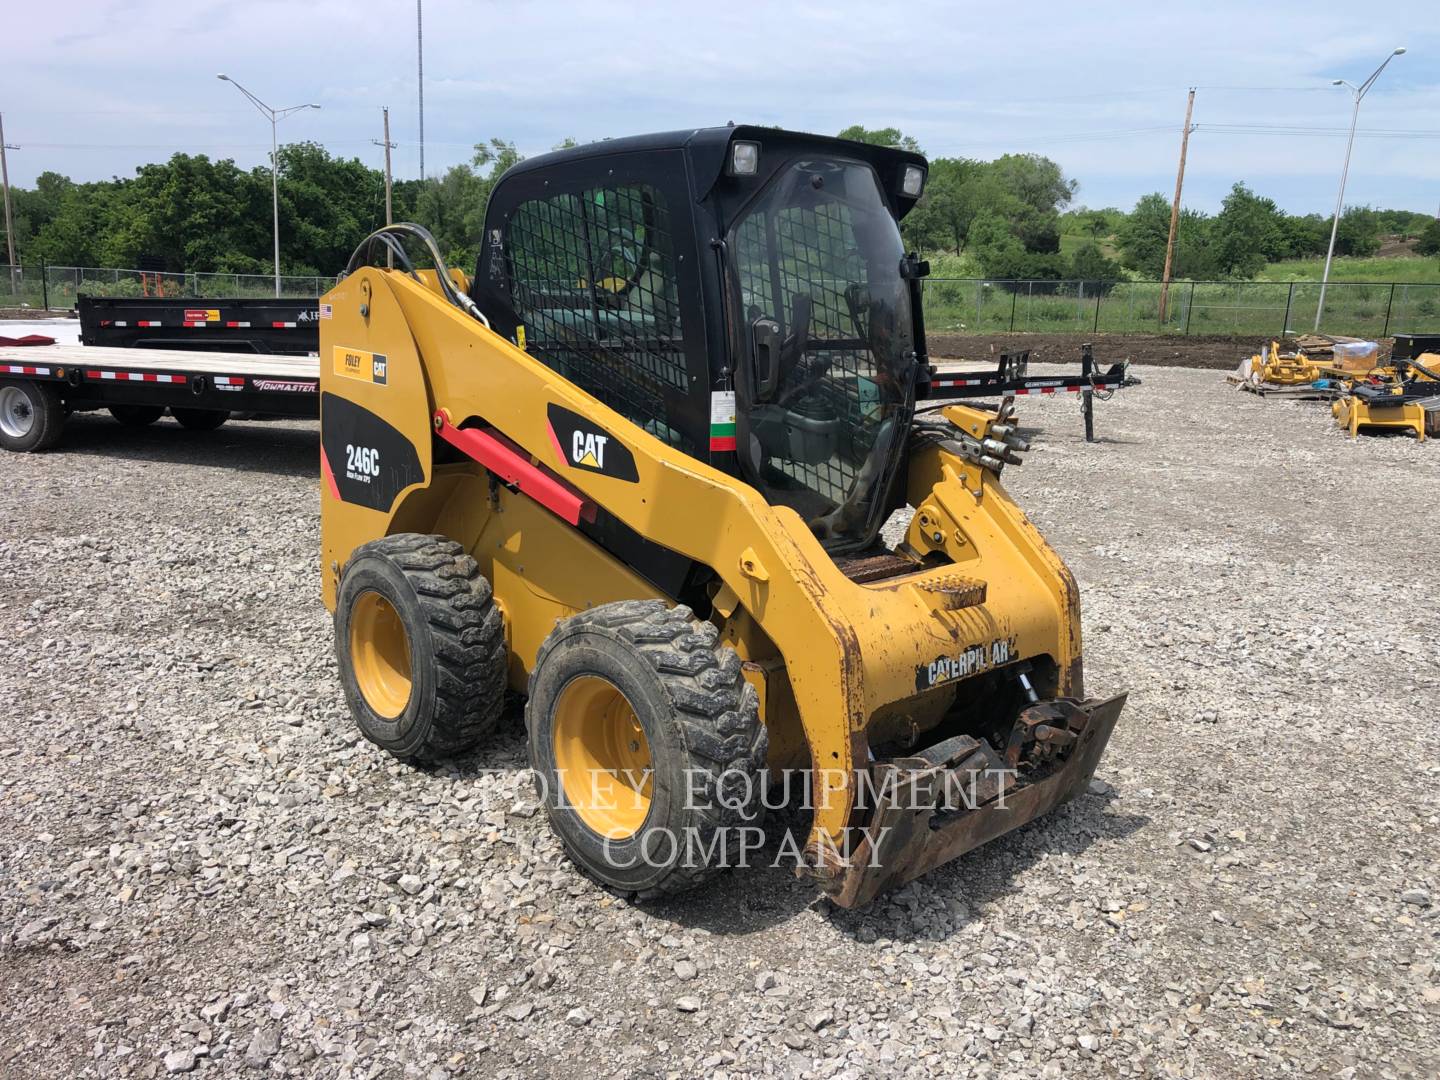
(1144,233)
(1028,191)
(1429,241)
(189,212)
(452,207)
(1095,224)
(1247,233)
(1090,265)
(1304,237)
(881,137)
(1359,232)
(1036,181)
(76,233)
(1002,254)
(327,206)
(946,210)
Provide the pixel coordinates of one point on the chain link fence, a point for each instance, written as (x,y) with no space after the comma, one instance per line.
(55,288)
(952,305)
(981,306)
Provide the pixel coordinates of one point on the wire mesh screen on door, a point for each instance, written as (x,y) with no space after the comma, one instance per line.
(811,251)
(594,283)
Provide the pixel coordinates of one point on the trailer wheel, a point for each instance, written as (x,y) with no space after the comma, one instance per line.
(647,746)
(421,646)
(137,415)
(31,416)
(199,419)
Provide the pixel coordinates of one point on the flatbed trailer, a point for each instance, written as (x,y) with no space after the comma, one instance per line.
(42,384)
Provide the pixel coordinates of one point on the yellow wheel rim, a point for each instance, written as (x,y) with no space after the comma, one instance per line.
(380,655)
(602,756)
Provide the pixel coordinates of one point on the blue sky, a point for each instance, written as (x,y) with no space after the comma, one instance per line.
(1099,87)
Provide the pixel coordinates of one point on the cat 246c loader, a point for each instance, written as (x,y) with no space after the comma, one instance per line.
(638,469)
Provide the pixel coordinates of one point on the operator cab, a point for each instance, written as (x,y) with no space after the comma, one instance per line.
(741,293)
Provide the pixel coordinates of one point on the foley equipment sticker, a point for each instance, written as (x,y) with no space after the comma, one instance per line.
(722,420)
(359,364)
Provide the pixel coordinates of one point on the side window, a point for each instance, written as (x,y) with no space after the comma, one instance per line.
(593,282)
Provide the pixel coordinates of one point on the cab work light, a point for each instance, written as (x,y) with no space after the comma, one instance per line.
(914,181)
(744,158)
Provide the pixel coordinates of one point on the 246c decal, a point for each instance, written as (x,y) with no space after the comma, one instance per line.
(365,460)
(361,462)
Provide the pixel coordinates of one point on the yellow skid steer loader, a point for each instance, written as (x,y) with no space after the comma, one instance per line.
(638,470)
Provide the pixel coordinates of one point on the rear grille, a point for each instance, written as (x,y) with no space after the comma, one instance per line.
(868,568)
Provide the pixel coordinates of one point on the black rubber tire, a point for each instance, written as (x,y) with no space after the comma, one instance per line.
(456,637)
(46,414)
(137,415)
(702,722)
(199,419)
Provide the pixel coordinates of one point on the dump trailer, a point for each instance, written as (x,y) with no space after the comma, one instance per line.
(638,469)
(1415,346)
(287,327)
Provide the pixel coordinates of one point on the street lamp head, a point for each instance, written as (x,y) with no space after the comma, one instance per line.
(223,77)
(1338,82)
(1399,52)
(312,105)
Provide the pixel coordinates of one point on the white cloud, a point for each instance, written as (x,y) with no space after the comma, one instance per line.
(113,85)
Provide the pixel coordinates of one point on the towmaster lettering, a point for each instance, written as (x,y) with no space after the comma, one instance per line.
(962,665)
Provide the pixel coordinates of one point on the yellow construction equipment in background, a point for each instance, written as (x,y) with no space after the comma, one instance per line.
(1312,362)
(1281,369)
(1404,396)
(655,507)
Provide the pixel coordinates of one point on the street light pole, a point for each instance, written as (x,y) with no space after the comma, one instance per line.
(1359,93)
(274,116)
(9,217)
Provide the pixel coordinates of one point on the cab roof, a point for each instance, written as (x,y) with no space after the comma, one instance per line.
(708,145)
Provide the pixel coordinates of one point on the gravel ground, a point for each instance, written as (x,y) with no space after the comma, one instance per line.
(203,870)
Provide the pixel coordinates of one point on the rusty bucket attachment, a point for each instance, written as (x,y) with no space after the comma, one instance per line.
(934,806)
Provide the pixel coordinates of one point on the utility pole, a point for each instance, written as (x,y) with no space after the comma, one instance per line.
(388,145)
(9,217)
(420,76)
(1175,210)
(389,220)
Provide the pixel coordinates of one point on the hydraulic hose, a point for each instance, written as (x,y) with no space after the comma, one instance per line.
(389,237)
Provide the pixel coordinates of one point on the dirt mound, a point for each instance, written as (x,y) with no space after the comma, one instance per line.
(1155,350)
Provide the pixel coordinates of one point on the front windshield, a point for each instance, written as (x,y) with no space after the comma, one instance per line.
(825,318)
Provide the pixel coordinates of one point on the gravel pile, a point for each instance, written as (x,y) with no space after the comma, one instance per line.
(204,871)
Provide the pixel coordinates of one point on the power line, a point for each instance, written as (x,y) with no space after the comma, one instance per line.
(1079,136)
(1326,132)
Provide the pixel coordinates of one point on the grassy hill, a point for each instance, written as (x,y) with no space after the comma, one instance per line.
(1403,268)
